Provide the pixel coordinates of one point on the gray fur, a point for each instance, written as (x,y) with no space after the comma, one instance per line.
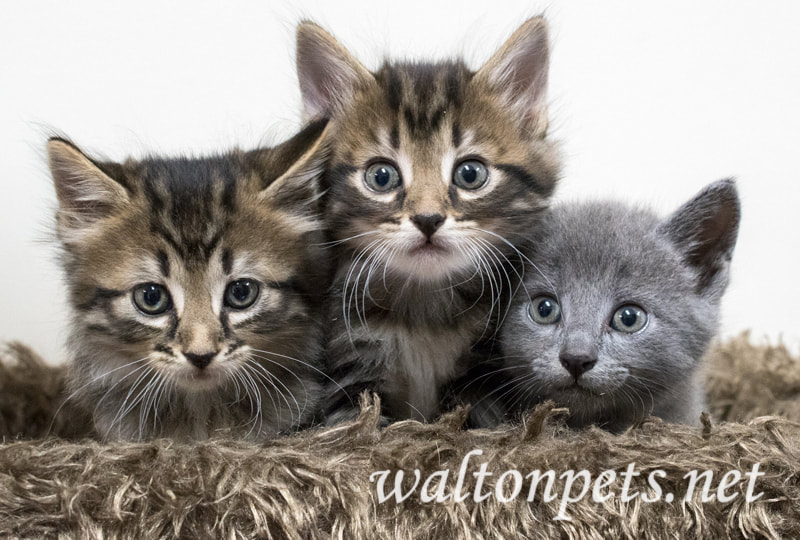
(594,258)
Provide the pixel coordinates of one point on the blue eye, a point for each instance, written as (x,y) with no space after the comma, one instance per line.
(241,294)
(470,174)
(544,310)
(151,298)
(629,319)
(382,177)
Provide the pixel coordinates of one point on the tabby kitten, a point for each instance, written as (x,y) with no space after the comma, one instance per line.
(437,174)
(194,284)
(616,324)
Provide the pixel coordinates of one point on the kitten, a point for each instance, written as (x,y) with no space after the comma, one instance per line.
(195,286)
(616,321)
(436,174)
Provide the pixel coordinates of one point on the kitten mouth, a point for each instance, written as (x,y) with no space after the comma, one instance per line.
(201,378)
(575,388)
(428,248)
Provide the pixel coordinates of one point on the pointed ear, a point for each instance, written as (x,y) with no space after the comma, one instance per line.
(86,193)
(705,230)
(518,71)
(328,73)
(291,171)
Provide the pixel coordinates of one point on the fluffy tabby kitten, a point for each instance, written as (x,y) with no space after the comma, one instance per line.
(194,285)
(436,173)
(616,324)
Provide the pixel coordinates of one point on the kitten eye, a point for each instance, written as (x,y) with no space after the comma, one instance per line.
(151,299)
(544,310)
(382,177)
(629,319)
(470,174)
(241,294)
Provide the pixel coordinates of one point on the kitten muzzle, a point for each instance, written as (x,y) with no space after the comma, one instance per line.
(200,361)
(428,223)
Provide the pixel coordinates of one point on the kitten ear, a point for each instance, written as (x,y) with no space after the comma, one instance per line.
(86,193)
(518,71)
(291,170)
(705,230)
(328,73)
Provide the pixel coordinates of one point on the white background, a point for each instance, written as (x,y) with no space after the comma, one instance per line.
(651,100)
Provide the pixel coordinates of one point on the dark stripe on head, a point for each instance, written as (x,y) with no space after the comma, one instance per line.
(158,229)
(163,348)
(394,89)
(339,173)
(229,195)
(452,192)
(436,118)
(163,263)
(290,284)
(125,330)
(456,134)
(457,76)
(526,178)
(173,325)
(156,202)
(209,247)
(410,120)
(100,297)
(227,261)
(226,327)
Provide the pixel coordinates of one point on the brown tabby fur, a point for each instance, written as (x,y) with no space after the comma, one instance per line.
(194,225)
(406,312)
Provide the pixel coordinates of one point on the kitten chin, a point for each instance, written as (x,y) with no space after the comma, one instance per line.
(615,324)
(430,265)
(196,287)
(437,174)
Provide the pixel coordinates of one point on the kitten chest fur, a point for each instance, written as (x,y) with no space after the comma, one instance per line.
(407,342)
(421,360)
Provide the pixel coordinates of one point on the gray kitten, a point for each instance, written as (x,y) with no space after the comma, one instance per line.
(616,321)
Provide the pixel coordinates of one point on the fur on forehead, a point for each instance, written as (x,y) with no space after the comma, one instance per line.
(593,242)
(592,237)
(190,195)
(516,75)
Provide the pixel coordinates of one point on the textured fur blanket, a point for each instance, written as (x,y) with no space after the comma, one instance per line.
(317,484)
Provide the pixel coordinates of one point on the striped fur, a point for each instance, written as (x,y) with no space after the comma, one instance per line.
(194,225)
(408,306)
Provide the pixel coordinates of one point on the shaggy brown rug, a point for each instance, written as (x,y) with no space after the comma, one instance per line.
(317,484)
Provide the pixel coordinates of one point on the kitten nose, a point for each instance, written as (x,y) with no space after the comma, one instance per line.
(428,223)
(200,361)
(577,363)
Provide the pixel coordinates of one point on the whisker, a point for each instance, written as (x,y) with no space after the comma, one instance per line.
(271,379)
(303,363)
(75,392)
(343,240)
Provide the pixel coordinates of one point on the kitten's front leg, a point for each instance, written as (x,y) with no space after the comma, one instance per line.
(112,425)
(355,365)
(478,389)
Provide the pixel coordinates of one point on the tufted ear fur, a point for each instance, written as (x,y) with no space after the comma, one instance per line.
(291,170)
(519,70)
(328,73)
(705,230)
(86,191)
